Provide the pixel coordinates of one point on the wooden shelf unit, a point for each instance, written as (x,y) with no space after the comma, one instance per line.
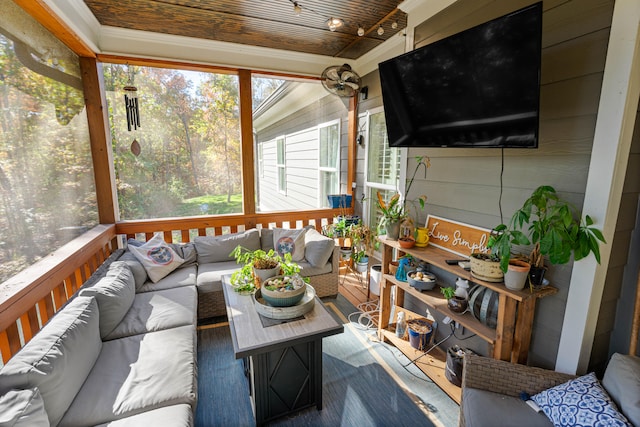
(508,341)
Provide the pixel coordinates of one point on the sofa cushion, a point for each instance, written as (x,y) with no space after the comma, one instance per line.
(306,269)
(218,248)
(157,257)
(177,278)
(114,294)
(289,242)
(186,251)
(210,275)
(579,402)
(158,310)
(139,273)
(317,248)
(59,358)
(266,236)
(482,408)
(174,416)
(622,382)
(23,408)
(137,374)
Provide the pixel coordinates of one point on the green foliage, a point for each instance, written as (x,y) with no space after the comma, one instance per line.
(257,258)
(448,292)
(500,242)
(554,229)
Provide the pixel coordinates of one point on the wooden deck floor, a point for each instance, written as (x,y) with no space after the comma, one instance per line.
(354,286)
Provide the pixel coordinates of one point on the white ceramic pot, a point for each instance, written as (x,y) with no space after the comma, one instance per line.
(516,276)
(264,274)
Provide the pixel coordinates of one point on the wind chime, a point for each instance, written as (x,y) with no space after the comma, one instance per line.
(131,106)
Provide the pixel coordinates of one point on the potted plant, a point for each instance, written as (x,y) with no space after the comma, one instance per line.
(486,266)
(396,209)
(361,260)
(556,230)
(457,304)
(515,270)
(258,265)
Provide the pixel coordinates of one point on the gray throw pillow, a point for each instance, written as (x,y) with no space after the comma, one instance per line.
(218,248)
(136,267)
(23,408)
(622,382)
(317,248)
(115,293)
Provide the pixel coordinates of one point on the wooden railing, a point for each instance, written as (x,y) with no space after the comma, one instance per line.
(29,299)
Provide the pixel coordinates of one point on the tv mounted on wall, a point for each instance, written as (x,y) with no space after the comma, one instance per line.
(477,88)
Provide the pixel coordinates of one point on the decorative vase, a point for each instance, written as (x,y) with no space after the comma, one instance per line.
(422,237)
(393,229)
(485,269)
(516,276)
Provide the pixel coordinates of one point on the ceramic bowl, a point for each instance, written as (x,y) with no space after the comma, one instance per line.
(290,290)
(421,280)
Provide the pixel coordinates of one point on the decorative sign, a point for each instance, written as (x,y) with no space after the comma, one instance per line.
(456,237)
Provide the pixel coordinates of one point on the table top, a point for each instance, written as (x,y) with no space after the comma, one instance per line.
(250,337)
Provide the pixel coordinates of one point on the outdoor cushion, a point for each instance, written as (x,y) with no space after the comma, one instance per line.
(622,382)
(58,359)
(317,248)
(114,294)
(483,408)
(266,236)
(157,257)
(289,241)
(309,270)
(218,248)
(180,277)
(579,402)
(137,374)
(210,275)
(174,416)
(23,408)
(159,310)
(139,273)
(186,251)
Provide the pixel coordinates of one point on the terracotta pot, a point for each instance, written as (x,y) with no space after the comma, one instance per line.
(406,242)
(516,276)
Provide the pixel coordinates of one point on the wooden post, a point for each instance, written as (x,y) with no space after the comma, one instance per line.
(635,326)
(100,136)
(352,147)
(246,138)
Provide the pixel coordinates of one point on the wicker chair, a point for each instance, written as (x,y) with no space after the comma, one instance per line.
(506,378)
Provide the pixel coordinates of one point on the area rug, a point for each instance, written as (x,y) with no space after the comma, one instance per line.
(365,382)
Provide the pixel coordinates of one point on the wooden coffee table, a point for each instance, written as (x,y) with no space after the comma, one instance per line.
(283,362)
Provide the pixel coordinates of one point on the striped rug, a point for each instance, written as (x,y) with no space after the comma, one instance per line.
(365,382)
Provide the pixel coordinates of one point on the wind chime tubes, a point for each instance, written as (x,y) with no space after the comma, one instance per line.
(131,105)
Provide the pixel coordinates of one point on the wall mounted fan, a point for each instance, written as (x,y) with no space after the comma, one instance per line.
(341,80)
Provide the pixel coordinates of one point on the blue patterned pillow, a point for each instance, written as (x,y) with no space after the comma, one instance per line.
(580,402)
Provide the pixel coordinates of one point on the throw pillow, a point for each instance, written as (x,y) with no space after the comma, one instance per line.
(317,248)
(157,257)
(622,382)
(219,248)
(114,293)
(580,402)
(23,408)
(289,241)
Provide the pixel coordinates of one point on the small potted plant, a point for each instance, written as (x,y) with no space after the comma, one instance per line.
(258,265)
(515,270)
(556,230)
(456,303)
(361,260)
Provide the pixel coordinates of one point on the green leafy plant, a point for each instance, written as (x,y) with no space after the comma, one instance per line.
(448,292)
(359,256)
(257,258)
(555,229)
(500,242)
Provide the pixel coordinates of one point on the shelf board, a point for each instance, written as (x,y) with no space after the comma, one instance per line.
(438,257)
(436,300)
(432,364)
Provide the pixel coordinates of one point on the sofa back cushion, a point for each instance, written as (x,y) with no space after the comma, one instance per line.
(318,248)
(218,248)
(289,241)
(114,293)
(622,382)
(23,408)
(266,236)
(59,358)
(139,273)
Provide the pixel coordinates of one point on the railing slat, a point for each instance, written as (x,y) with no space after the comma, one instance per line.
(5,347)
(59,296)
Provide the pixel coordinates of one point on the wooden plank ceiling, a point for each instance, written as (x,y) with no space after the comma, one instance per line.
(265,23)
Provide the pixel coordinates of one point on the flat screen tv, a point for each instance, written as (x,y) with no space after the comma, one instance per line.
(477,88)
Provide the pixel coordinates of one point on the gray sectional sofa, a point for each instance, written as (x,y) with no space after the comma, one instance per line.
(123,350)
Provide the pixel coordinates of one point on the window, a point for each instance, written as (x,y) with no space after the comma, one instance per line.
(189,138)
(281,165)
(329,159)
(382,165)
(47,191)
(296,126)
